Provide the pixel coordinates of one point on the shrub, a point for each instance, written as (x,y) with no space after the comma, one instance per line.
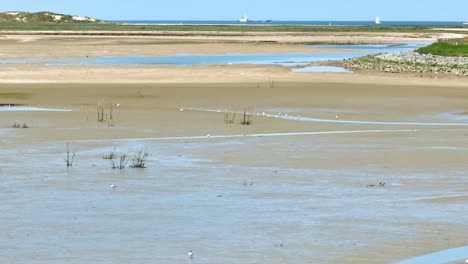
(111,155)
(139,159)
(122,161)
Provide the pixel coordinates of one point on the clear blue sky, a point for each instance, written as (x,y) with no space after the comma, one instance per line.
(424,10)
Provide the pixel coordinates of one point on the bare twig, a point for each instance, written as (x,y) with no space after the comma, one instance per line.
(70,157)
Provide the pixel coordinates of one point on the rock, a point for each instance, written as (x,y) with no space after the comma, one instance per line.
(410,62)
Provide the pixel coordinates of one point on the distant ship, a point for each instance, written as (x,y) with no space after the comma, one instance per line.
(377,21)
(465,23)
(244,19)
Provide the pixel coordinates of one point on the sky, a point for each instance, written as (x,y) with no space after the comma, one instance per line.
(326,10)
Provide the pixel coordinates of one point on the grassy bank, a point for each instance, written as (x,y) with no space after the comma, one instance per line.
(213,28)
(456,47)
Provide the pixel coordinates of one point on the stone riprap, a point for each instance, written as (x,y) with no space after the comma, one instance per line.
(410,62)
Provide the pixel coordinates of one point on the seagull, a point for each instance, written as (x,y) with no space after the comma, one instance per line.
(208,135)
(181,109)
(117,105)
(336,117)
(190,254)
(113,186)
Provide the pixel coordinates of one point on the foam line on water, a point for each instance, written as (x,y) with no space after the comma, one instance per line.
(209,136)
(441,257)
(319,120)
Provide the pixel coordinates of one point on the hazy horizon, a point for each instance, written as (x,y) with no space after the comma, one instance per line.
(295,10)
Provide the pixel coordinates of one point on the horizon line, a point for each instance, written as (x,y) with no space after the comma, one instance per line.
(282,20)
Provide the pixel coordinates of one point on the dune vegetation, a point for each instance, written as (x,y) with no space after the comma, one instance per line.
(24,19)
(452,48)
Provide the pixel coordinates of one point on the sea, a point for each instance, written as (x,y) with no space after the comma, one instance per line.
(292,23)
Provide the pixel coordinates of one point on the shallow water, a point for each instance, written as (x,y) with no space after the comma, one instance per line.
(286,134)
(441,257)
(377,48)
(321,69)
(215,197)
(30,109)
(336,121)
(283,59)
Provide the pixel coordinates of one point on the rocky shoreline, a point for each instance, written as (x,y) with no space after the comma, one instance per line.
(410,62)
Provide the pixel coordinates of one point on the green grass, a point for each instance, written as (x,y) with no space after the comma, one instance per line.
(225,28)
(450,48)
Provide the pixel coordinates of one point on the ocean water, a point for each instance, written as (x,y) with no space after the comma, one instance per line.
(294,23)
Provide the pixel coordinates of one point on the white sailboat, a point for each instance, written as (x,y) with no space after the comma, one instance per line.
(377,21)
(244,19)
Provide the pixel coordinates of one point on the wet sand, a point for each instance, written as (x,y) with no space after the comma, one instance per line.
(40,45)
(298,197)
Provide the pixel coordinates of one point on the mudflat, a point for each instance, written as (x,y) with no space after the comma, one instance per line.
(334,168)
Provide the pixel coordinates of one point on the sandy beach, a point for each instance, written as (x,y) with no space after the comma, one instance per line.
(301,184)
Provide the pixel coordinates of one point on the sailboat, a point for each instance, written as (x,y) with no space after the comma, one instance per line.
(244,19)
(377,21)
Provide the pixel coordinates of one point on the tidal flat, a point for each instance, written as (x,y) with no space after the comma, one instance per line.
(383,180)
(301,197)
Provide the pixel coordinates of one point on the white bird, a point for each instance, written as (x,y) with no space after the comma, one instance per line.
(208,135)
(190,254)
(336,117)
(466,260)
(117,105)
(113,186)
(181,109)
(263,113)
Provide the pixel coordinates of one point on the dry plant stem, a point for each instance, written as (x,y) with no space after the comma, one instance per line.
(70,157)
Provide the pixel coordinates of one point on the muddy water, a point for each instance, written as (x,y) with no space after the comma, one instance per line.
(280,191)
(310,201)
